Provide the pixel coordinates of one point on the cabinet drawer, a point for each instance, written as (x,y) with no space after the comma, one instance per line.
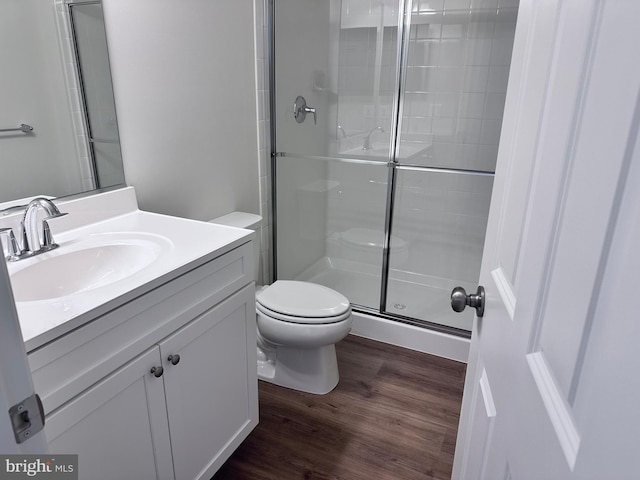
(71,364)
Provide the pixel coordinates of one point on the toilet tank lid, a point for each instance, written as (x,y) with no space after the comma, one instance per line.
(250,221)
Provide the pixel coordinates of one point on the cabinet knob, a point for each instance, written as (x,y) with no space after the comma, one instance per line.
(174,359)
(157,371)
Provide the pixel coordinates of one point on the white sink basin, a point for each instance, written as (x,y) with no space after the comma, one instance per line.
(85,265)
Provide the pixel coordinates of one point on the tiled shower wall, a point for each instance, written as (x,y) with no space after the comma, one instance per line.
(264,144)
(457,72)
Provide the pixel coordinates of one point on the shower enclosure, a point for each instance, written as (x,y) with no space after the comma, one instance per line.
(386,117)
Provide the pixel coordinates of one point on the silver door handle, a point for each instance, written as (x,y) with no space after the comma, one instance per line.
(460,300)
(300,110)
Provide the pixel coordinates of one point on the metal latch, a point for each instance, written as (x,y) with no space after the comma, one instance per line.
(27,418)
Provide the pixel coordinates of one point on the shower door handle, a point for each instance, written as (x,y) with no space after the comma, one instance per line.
(460,300)
(300,110)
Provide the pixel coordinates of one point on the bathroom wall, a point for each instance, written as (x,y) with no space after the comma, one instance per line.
(32,88)
(185,87)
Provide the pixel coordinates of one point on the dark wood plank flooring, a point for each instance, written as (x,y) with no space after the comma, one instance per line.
(394,415)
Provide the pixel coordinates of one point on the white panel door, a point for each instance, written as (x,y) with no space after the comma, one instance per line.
(552,384)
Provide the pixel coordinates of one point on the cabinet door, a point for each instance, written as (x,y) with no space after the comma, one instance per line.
(212,398)
(118,427)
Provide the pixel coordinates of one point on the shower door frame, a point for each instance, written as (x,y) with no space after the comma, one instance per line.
(393,165)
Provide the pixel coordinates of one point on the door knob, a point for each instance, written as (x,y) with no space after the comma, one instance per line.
(174,359)
(460,299)
(157,371)
(300,110)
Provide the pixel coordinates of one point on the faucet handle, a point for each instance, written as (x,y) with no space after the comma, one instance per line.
(12,244)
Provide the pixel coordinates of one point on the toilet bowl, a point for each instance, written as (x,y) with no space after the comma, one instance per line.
(298,325)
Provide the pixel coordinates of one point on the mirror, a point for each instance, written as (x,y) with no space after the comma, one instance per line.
(56,79)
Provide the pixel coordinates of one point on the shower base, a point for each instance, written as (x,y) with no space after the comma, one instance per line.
(408,294)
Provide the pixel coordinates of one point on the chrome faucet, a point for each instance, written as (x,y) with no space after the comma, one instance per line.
(367,140)
(29,233)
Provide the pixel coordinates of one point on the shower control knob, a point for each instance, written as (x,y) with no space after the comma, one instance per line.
(460,300)
(174,359)
(300,110)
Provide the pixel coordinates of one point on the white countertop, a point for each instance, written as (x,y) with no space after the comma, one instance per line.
(186,244)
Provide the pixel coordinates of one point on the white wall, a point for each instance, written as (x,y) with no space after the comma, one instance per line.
(184,83)
(33,91)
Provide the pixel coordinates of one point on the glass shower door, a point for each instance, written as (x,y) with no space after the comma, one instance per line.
(456,79)
(331,165)
(382,192)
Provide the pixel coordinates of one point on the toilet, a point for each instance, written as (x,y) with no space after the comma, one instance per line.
(298,325)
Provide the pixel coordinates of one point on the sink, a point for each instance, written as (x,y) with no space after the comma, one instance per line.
(85,265)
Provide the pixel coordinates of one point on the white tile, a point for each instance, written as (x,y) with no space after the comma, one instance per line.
(447,79)
(487,155)
(467,154)
(494,105)
(490,131)
(498,78)
(260,68)
(263,163)
(457,4)
(420,125)
(452,53)
(479,28)
(501,51)
(428,5)
(444,128)
(260,50)
(259,13)
(475,79)
(478,51)
(443,153)
(262,134)
(471,105)
(482,4)
(447,104)
(74,99)
(418,78)
(454,30)
(468,130)
(423,53)
(505,28)
(82,146)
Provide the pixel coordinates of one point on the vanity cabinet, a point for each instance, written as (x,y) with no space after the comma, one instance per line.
(181,392)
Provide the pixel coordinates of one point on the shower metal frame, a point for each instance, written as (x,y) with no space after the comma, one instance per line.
(393,165)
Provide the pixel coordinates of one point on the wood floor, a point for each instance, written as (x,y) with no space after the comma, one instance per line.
(394,415)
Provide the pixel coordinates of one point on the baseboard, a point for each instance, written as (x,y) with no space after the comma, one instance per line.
(411,337)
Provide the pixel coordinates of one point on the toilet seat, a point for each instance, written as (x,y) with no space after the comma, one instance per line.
(302,302)
(302,320)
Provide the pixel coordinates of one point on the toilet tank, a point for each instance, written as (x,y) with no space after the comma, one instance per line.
(249,221)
